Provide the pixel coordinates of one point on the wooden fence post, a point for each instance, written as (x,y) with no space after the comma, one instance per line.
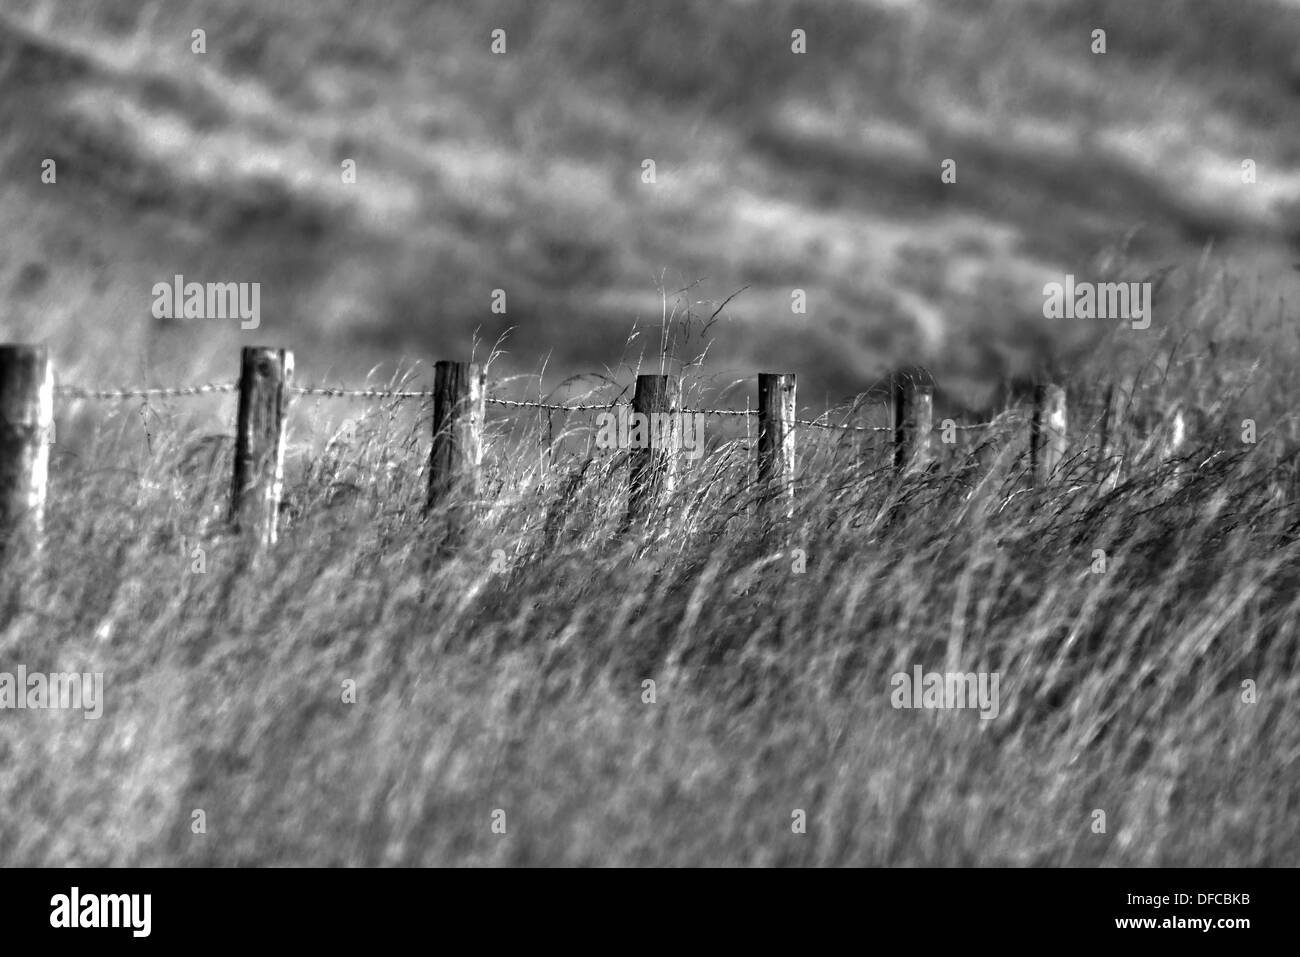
(456,456)
(265,376)
(1047,432)
(652,441)
(776,444)
(913,401)
(26,421)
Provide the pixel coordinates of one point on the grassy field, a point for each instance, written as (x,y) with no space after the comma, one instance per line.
(508,673)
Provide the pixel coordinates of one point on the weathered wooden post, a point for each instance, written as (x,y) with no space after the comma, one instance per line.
(913,401)
(456,456)
(776,444)
(1047,432)
(652,438)
(26,421)
(264,379)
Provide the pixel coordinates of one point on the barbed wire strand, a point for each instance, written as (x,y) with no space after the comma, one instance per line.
(517,404)
(76,392)
(830,426)
(331,392)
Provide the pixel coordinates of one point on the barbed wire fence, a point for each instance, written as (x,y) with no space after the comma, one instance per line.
(338,392)
(458,403)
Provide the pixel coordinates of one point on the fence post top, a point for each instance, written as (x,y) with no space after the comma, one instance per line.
(911,379)
(24,347)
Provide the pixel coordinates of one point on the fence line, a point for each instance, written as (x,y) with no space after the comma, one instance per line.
(339,392)
(459,397)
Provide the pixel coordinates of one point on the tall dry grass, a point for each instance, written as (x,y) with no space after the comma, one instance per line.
(508,673)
